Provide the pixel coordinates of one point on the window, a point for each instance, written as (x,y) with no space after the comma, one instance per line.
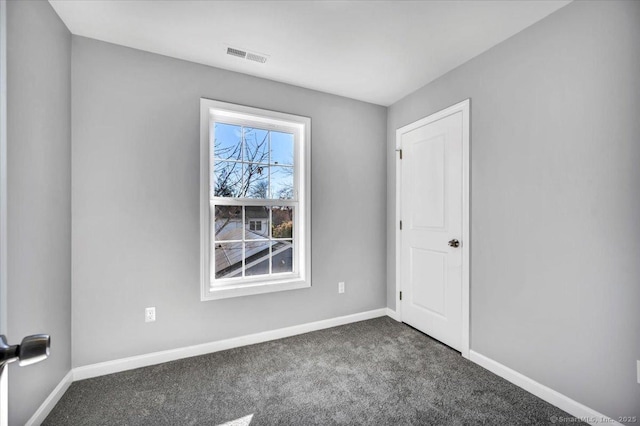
(255,221)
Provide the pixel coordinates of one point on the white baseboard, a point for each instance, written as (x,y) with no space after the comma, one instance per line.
(561,401)
(393,314)
(115,366)
(45,408)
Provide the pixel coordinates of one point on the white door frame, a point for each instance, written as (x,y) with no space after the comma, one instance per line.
(3,200)
(3,166)
(463,107)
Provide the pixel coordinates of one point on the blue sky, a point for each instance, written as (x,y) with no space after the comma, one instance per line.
(229,137)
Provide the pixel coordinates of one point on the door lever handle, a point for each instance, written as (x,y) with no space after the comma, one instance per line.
(32,349)
(454,243)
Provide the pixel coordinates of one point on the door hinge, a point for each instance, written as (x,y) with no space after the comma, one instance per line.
(400,295)
(401,154)
(401,225)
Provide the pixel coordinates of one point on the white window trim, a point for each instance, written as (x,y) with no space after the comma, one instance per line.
(269,120)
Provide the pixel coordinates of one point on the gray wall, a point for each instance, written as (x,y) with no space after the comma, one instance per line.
(135,204)
(39,197)
(555,149)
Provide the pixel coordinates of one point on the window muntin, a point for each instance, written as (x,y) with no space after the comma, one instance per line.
(257,216)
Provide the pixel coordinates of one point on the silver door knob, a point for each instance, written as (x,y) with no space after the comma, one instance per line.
(454,243)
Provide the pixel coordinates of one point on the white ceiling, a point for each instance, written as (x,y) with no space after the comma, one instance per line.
(374,51)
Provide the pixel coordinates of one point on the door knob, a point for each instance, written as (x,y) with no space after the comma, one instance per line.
(454,243)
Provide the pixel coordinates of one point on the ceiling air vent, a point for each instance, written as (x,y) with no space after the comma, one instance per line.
(251,56)
(236,52)
(256,57)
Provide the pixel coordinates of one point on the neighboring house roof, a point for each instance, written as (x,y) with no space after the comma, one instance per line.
(228,256)
(233,231)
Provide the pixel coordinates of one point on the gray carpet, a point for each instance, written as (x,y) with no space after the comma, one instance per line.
(376,372)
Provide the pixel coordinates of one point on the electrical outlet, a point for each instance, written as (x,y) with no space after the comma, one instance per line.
(150,314)
(341,287)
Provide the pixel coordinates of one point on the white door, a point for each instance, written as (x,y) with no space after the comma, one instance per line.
(431,240)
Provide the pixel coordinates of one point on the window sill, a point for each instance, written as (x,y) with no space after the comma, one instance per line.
(226,292)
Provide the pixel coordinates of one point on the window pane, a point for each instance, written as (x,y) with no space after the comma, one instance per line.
(227,179)
(256,180)
(281,148)
(256,221)
(282,257)
(256,258)
(228,258)
(282,222)
(256,145)
(228,223)
(228,142)
(282,182)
